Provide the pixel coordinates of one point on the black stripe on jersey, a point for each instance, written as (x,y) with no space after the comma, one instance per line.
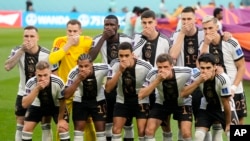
(232,42)
(73,73)
(221,78)
(32,82)
(97,36)
(139,43)
(17,47)
(44,50)
(124,35)
(151,73)
(58,81)
(101,67)
(145,64)
(164,36)
(182,70)
(114,61)
(197,74)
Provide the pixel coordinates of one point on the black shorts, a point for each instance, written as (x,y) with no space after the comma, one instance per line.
(35,113)
(131,110)
(82,110)
(240,105)
(19,110)
(180,113)
(205,118)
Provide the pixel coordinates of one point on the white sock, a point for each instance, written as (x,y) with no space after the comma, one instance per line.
(167,136)
(180,135)
(27,135)
(46,132)
(208,136)
(141,138)
(78,136)
(18,135)
(199,135)
(100,136)
(64,135)
(128,132)
(217,132)
(117,137)
(187,139)
(149,138)
(108,129)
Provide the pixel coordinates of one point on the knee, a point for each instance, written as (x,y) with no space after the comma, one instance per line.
(116,130)
(149,132)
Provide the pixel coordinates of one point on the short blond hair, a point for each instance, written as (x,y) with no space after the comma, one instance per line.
(209,18)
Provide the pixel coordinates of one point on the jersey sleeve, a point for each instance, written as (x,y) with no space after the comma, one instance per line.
(57,51)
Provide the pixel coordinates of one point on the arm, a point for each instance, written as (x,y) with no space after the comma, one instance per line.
(95,50)
(12,61)
(187,90)
(241,67)
(175,50)
(111,83)
(227,111)
(62,124)
(69,91)
(27,100)
(146,91)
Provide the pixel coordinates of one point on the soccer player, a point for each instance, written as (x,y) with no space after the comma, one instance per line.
(85,84)
(26,56)
(215,103)
(42,98)
(230,57)
(148,45)
(107,45)
(185,49)
(65,51)
(168,81)
(128,75)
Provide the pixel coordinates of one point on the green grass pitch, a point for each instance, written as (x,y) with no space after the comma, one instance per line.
(9,38)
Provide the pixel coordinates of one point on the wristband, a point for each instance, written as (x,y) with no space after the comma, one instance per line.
(233,88)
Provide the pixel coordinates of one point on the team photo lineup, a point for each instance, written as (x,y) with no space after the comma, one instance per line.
(143,81)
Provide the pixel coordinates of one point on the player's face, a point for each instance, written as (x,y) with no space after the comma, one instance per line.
(148,23)
(126,56)
(85,66)
(30,36)
(187,18)
(73,30)
(43,75)
(210,27)
(111,24)
(164,66)
(207,68)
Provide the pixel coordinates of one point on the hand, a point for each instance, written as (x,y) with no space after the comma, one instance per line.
(233,90)
(148,31)
(209,38)
(205,76)
(62,126)
(123,65)
(26,46)
(219,70)
(186,28)
(73,40)
(141,94)
(82,75)
(227,36)
(162,75)
(42,84)
(107,33)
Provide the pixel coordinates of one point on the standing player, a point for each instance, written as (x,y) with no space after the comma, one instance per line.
(42,98)
(26,56)
(148,45)
(215,105)
(230,56)
(107,45)
(168,81)
(85,84)
(66,51)
(128,75)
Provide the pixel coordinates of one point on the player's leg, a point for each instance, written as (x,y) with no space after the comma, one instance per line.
(166,129)
(28,129)
(141,113)
(19,112)
(185,118)
(47,134)
(128,130)
(241,107)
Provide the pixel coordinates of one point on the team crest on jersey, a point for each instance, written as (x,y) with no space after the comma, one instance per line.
(70,82)
(191,50)
(225,91)
(114,50)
